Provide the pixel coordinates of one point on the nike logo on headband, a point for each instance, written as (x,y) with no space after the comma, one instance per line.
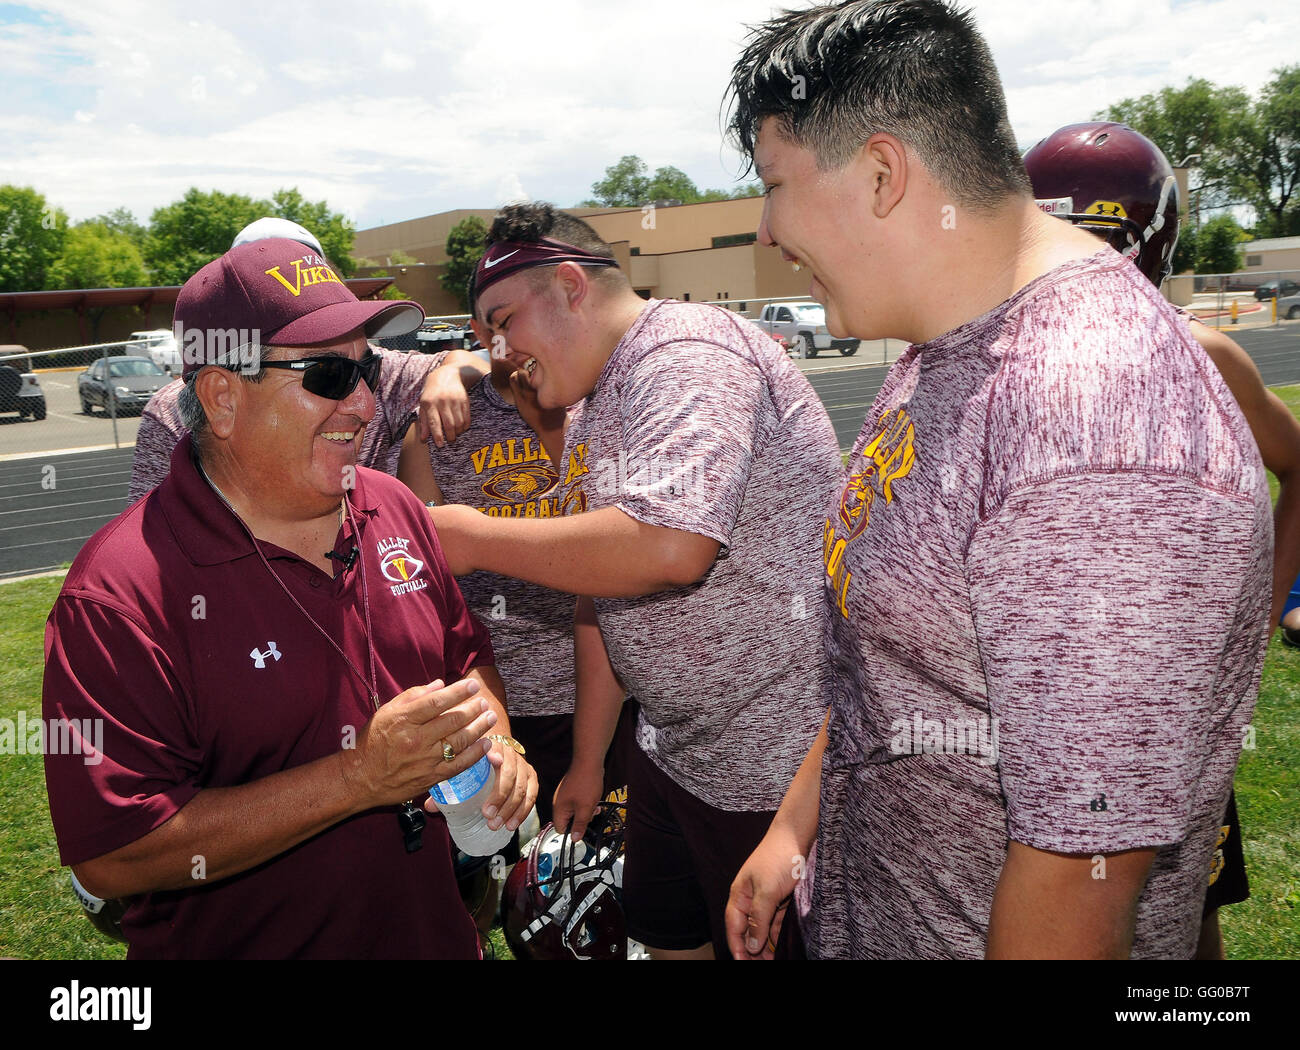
(487,265)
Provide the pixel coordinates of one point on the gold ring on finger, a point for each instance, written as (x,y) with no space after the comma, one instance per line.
(448,754)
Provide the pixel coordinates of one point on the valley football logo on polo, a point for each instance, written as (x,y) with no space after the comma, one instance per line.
(400,567)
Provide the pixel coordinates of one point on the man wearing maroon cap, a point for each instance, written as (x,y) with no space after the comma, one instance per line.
(407,381)
(235,634)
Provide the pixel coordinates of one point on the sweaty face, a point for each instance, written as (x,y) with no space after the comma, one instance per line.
(299,448)
(820,221)
(528,325)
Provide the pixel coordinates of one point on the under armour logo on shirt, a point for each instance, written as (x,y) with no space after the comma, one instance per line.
(259,659)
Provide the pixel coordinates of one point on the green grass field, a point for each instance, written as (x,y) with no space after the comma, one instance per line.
(40,919)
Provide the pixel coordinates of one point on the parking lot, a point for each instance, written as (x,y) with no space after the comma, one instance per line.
(65,426)
(62,478)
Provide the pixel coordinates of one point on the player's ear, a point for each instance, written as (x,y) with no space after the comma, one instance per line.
(574,284)
(217,392)
(885,165)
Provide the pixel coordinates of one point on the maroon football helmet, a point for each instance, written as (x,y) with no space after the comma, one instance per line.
(563,900)
(1115,183)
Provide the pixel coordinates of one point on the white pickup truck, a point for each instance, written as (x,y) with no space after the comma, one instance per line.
(159,345)
(803,327)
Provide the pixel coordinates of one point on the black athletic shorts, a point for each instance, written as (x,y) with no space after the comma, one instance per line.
(1228,884)
(548,740)
(681,856)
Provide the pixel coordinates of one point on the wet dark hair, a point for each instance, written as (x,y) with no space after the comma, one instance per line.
(834,76)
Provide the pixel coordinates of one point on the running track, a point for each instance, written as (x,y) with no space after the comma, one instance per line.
(42,527)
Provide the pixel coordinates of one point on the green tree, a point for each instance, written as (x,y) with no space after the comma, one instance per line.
(1199,118)
(31,238)
(1183,121)
(625,185)
(122,220)
(186,235)
(1216,245)
(1250,150)
(465,244)
(334,232)
(1267,145)
(97,256)
(671,184)
(189,233)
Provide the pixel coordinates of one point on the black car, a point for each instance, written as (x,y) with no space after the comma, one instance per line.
(117,384)
(20,391)
(1273,289)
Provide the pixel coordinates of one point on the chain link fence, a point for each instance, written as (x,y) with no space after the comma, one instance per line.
(1245,298)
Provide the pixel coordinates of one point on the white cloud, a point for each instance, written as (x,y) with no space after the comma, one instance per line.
(510,190)
(440,106)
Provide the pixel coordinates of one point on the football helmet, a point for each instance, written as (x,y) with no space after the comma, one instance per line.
(563,900)
(1115,183)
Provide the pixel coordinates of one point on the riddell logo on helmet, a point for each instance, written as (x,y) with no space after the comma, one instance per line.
(316,271)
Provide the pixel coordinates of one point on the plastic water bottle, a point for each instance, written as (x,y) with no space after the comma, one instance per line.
(461,800)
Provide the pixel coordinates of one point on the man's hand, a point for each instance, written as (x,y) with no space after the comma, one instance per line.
(399,751)
(457,525)
(444,399)
(546,423)
(761,893)
(577,799)
(516,788)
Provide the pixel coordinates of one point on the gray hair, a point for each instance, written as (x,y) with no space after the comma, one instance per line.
(191,408)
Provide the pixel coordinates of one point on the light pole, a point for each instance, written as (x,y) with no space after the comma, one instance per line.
(1184,163)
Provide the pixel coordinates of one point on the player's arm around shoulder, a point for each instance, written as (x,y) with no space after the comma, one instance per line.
(1277,433)
(1276,430)
(415,469)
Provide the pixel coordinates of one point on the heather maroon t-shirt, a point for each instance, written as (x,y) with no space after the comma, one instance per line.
(173,631)
(1051,566)
(400,380)
(499,467)
(699,422)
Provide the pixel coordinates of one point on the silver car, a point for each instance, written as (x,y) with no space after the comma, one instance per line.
(1289,307)
(119,384)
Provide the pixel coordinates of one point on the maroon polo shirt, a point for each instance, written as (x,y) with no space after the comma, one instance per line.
(170,628)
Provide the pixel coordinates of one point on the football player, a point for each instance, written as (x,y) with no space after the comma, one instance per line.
(1112,181)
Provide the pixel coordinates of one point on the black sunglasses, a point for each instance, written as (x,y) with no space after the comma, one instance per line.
(333,377)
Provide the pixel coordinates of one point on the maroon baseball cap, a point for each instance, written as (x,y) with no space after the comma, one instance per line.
(275,291)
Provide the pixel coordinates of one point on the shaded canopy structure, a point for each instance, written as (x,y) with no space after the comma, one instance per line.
(83,300)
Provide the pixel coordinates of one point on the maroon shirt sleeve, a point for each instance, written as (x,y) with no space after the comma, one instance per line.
(101,665)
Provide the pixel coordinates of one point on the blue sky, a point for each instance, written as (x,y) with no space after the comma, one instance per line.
(411,108)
